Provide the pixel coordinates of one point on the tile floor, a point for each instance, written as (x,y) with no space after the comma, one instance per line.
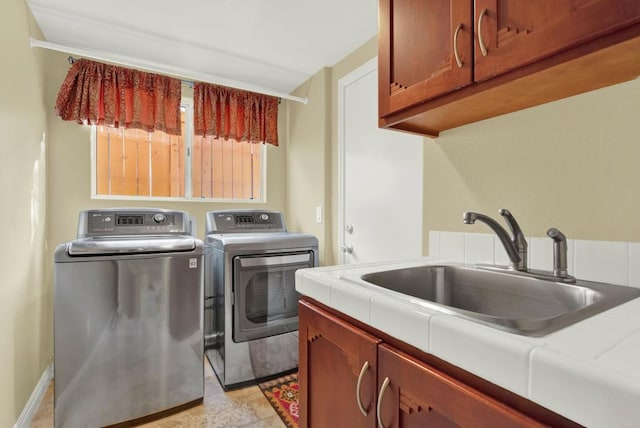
(245,407)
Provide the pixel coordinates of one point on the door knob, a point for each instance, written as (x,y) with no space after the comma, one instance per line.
(349,228)
(347,248)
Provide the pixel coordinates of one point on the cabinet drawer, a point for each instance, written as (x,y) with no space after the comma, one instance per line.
(418,395)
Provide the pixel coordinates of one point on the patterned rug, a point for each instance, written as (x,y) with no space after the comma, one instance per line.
(282,393)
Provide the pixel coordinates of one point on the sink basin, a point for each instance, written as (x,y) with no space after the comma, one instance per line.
(504,299)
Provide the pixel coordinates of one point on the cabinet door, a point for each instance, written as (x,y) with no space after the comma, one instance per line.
(513,33)
(337,372)
(418,395)
(424,50)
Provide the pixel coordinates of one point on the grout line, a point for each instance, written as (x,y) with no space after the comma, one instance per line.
(628,279)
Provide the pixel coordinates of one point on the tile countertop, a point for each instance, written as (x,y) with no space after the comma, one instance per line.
(588,372)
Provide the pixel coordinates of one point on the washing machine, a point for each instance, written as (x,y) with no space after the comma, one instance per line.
(128,318)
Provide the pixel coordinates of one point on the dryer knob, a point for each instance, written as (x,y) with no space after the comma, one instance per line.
(264,217)
(159,218)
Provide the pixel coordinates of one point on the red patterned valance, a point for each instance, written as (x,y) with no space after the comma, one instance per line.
(102,94)
(224,112)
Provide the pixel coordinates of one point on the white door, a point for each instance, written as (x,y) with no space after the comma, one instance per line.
(380,177)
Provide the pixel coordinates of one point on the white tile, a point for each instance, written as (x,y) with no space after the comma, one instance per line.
(500,254)
(401,320)
(434,244)
(584,390)
(502,358)
(571,253)
(624,356)
(452,246)
(589,338)
(352,300)
(603,261)
(478,248)
(624,316)
(634,264)
(541,253)
(314,284)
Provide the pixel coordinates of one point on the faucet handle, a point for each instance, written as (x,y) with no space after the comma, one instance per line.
(518,236)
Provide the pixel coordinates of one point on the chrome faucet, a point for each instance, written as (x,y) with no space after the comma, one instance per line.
(515,247)
(559,254)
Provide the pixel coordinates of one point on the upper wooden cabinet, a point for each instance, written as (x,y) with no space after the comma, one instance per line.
(425,50)
(444,64)
(513,33)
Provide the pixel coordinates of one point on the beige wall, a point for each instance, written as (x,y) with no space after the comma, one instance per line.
(69,172)
(312,155)
(307,160)
(25,317)
(572,164)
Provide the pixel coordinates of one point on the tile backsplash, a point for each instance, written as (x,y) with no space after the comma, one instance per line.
(606,261)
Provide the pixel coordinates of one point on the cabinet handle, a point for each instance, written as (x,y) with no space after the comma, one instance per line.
(365,366)
(483,47)
(383,389)
(455,45)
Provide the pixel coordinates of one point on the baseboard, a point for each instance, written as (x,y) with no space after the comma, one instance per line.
(30,409)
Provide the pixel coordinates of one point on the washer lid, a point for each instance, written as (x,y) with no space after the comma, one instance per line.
(130,245)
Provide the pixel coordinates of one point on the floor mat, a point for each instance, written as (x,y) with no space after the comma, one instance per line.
(282,393)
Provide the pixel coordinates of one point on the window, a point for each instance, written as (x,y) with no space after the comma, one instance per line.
(132,163)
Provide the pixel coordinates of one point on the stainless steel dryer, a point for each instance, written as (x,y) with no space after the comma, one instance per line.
(128,338)
(251,305)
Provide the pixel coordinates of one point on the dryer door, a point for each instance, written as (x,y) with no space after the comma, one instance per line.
(265,298)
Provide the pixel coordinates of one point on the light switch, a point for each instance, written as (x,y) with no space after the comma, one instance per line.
(319,215)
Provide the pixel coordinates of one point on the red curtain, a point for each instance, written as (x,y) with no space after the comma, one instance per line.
(102,94)
(228,113)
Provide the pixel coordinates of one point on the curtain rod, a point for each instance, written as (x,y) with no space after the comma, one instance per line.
(177,72)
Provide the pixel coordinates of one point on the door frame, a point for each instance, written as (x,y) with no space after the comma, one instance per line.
(343,84)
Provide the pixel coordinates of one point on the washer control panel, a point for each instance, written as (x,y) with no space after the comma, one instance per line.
(110,222)
(227,221)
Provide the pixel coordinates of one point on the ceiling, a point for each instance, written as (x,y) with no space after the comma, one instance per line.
(275,44)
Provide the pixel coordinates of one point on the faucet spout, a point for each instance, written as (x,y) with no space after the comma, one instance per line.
(518,259)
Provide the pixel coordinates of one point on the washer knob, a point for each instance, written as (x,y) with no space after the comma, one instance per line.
(264,217)
(159,218)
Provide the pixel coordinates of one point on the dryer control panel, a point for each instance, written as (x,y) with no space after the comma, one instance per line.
(242,221)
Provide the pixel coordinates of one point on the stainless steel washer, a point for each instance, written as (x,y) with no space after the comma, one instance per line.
(128,299)
(251,305)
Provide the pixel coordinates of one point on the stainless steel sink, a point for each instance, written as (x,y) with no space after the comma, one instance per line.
(508,300)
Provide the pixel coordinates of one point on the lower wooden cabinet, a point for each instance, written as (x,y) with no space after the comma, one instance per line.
(337,370)
(352,378)
(413,394)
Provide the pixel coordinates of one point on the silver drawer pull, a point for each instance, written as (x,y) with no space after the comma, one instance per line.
(383,389)
(455,45)
(365,367)
(483,47)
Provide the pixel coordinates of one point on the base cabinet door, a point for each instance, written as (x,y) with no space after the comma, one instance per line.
(350,378)
(337,371)
(413,394)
